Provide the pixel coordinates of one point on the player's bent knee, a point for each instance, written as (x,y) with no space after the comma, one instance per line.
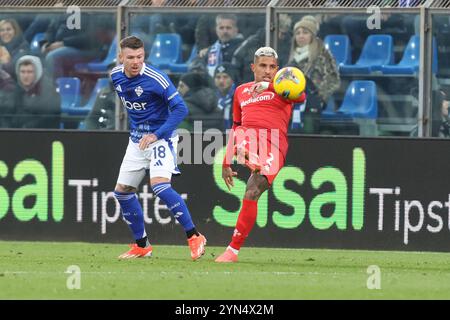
(257,184)
(252,193)
(124,188)
(157,180)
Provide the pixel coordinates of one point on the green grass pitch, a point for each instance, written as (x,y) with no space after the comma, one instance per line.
(37,270)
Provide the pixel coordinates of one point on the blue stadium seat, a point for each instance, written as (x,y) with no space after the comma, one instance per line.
(339,46)
(360,102)
(378,51)
(100,65)
(409,64)
(84,110)
(69,91)
(183,67)
(166,50)
(35,45)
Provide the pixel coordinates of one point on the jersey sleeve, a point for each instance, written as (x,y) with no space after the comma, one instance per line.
(237,117)
(115,74)
(113,80)
(171,96)
(177,107)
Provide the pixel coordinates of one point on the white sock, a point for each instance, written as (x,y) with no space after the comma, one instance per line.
(236,252)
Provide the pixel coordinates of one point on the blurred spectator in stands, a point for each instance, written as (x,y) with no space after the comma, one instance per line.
(23,19)
(329,24)
(201,101)
(225,81)
(444,129)
(415,19)
(243,56)
(102,115)
(36,100)
(400,25)
(309,54)
(182,23)
(223,49)
(12,44)
(205,32)
(198,67)
(284,37)
(66,47)
(440,126)
(250,23)
(147,26)
(39,24)
(149,23)
(7,108)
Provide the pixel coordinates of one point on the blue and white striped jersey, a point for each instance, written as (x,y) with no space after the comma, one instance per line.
(148,98)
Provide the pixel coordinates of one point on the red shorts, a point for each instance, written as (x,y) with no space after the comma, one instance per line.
(254,149)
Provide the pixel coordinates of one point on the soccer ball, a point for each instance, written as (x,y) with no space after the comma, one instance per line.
(289,82)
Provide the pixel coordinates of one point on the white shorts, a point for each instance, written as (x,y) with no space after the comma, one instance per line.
(160,158)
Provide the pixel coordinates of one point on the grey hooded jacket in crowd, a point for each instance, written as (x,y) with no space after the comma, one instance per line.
(37,106)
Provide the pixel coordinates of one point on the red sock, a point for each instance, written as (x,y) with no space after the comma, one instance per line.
(245,223)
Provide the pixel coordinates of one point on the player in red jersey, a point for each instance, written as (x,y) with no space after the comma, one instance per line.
(259,140)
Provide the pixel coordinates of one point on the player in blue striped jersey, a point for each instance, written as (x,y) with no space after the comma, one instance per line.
(154,109)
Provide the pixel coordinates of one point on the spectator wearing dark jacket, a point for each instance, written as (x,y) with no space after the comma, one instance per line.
(40,24)
(225,81)
(243,56)
(12,44)
(36,100)
(201,101)
(7,108)
(440,125)
(102,115)
(205,33)
(68,46)
(223,49)
(284,37)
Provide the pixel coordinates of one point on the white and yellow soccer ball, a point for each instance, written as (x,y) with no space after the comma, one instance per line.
(289,82)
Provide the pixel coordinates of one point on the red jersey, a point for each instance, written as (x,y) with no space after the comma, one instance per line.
(266,110)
